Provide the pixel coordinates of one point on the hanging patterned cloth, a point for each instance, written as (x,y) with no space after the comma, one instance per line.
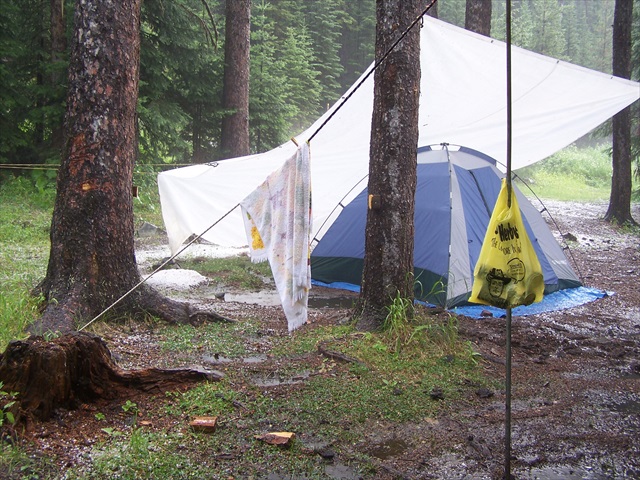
(277,219)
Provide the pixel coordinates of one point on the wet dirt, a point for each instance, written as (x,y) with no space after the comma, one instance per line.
(576,378)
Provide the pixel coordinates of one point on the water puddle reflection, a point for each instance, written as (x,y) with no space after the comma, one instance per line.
(271,298)
(390,448)
(216,359)
(275,380)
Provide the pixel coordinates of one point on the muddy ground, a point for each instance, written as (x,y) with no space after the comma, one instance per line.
(576,380)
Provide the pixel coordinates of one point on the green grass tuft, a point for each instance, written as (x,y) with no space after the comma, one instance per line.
(573,174)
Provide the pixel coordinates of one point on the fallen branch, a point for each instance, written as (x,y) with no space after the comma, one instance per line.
(337,355)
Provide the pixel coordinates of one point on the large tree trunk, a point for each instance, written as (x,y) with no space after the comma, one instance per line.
(478,16)
(620,201)
(92,260)
(235,125)
(75,369)
(389,236)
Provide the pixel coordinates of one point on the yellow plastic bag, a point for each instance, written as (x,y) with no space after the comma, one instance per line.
(508,272)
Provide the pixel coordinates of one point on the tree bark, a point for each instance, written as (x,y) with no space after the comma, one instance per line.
(478,16)
(235,125)
(389,234)
(92,260)
(619,210)
(78,368)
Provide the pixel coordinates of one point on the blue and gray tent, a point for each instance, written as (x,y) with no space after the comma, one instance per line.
(456,191)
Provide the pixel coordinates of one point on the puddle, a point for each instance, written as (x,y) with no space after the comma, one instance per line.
(264,297)
(331,302)
(219,359)
(628,407)
(565,472)
(272,380)
(341,472)
(390,448)
(271,298)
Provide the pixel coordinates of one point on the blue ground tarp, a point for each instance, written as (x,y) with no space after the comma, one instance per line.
(560,300)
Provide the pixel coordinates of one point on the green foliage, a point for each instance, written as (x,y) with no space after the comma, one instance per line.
(238,271)
(31,106)
(211,398)
(180,80)
(579,174)
(212,338)
(25,216)
(400,313)
(18,309)
(270,113)
(7,401)
(303,56)
(576,31)
(16,463)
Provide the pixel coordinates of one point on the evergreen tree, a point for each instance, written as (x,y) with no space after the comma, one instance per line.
(269,111)
(358,40)
(304,88)
(32,103)
(180,81)
(619,210)
(92,260)
(452,11)
(548,39)
(324,21)
(235,125)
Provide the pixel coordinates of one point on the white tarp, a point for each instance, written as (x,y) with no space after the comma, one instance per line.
(463,102)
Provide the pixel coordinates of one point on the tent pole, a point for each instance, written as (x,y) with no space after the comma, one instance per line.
(507,406)
(507,402)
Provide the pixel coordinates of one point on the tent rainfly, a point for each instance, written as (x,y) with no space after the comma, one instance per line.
(456,191)
(462,102)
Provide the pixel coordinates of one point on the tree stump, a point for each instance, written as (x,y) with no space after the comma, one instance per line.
(78,368)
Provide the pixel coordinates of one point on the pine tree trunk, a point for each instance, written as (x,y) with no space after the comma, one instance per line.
(92,260)
(389,236)
(235,125)
(478,16)
(619,210)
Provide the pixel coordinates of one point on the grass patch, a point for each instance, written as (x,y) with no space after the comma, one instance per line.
(572,174)
(337,404)
(238,271)
(220,338)
(15,463)
(210,399)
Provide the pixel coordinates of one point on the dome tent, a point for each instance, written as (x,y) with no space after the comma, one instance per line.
(456,191)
